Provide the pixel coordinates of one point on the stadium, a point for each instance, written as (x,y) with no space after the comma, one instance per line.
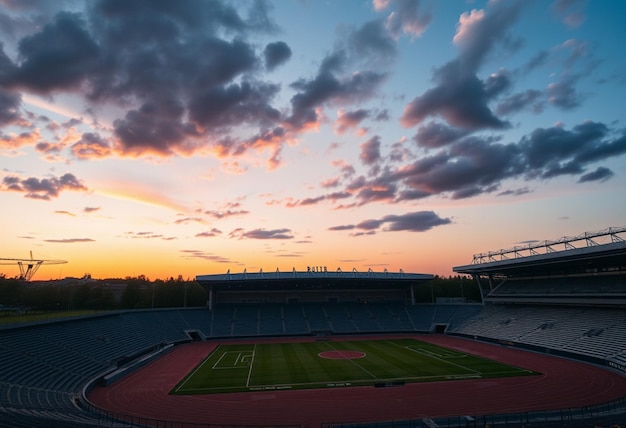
(544,347)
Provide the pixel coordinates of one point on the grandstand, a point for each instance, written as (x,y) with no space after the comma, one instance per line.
(568,303)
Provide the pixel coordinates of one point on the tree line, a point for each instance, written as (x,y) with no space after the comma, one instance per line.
(128,293)
(142,293)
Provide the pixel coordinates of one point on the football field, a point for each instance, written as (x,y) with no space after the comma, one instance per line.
(330,364)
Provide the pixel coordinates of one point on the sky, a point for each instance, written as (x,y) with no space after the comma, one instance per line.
(164,138)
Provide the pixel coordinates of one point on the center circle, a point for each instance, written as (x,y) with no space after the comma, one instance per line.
(339,354)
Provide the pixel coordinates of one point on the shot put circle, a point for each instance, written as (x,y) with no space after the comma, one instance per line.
(341,355)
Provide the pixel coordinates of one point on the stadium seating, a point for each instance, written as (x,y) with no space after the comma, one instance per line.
(43,368)
(594,332)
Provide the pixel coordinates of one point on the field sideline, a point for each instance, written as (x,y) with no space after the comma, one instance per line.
(331,364)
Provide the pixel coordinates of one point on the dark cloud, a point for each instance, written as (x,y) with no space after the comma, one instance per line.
(63,212)
(91,209)
(336,81)
(209,234)
(529,99)
(91,146)
(10,104)
(600,174)
(276,54)
(369,224)
(328,88)
(69,240)
(370,151)
(515,192)
(350,119)
(436,134)
(474,165)
(225,213)
(372,40)
(556,151)
(460,97)
(43,189)
(222,107)
(182,70)
(60,56)
(343,227)
(480,30)
(419,221)
(562,94)
(262,234)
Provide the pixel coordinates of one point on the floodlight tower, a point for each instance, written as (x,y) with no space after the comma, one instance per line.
(28,267)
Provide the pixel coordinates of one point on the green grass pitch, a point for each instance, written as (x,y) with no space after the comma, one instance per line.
(276,366)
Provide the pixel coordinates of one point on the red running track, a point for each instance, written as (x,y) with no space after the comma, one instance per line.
(562,384)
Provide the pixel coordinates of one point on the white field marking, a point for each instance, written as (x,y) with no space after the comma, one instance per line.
(189,376)
(355,363)
(218,361)
(437,358)
(240,358)
(349,382)
(251,363)
(227,367)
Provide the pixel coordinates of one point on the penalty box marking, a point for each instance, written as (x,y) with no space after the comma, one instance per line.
(242,360)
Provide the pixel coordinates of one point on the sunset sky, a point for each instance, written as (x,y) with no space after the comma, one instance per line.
(170,138)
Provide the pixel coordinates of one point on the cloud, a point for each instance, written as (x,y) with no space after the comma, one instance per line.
(407,19)
(460,97)
(600,174)
(262,234)
(42,189)
(469,166)
(91,209)
(188,220)
(436,134)
(276,54)
(148,235)
(91,146)
(515,192)
(15,141)
(370,151)
(65,213)
(200,254)
(10,104)
(343,227)
(182,72)
(350,119)
(563,94)
(225,213)
(419,221)
(58,57)
(514,103)
(209,234)
(571,12)
(368,49)
(69,240)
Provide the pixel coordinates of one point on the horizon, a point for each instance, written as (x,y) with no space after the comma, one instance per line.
(195,137)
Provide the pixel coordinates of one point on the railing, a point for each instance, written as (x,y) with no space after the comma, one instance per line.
(610,414)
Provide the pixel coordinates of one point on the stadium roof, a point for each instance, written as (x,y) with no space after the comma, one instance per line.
(313,278)
(527,260)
